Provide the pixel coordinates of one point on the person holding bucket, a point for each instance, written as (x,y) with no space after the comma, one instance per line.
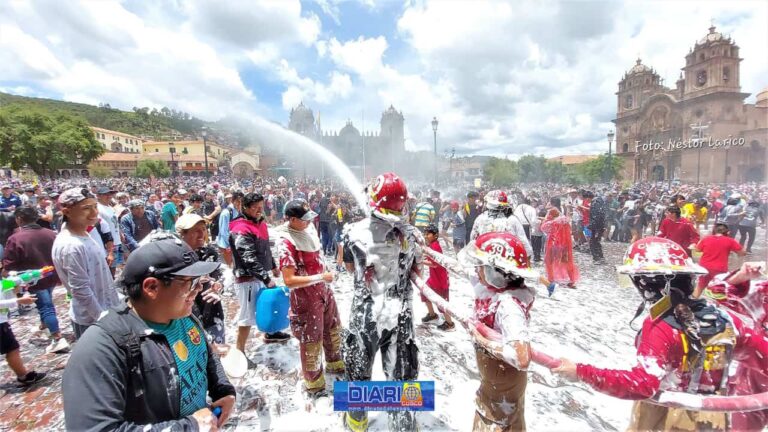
(314,316)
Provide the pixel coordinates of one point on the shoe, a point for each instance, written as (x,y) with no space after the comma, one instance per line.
(251,364)
(58,346)
(30,378)
(276,337)
(316,393)
(429,317)
(445,326)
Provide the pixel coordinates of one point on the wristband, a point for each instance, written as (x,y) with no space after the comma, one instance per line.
(317,278)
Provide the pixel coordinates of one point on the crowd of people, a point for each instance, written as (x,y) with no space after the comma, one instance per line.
(143,263)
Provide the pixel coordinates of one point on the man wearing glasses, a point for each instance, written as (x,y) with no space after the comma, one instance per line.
(148,363)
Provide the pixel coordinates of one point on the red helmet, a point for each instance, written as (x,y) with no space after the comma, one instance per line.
(656,255)
(500,250)
(388,193)
(496,199)
(454,205)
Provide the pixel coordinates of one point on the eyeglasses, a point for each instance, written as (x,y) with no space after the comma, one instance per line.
(194,285)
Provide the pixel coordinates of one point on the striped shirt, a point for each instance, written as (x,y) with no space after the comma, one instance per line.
(425,215)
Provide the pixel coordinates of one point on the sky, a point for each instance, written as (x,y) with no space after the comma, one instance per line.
(502,78)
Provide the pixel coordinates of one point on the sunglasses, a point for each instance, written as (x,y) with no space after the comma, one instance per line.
(193,286)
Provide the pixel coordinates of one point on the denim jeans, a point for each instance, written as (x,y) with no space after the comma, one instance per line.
(46,309)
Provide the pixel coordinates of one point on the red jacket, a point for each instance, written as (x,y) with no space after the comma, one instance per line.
(660,353)
(680,231)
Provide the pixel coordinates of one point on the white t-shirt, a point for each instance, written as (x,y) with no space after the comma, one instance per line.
(107,213)
(81,264)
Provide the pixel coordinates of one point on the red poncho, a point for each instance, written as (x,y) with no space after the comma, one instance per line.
(558,259)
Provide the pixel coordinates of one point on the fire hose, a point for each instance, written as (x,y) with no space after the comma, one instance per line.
(689,401)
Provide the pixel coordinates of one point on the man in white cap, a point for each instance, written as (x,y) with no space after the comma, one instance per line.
(81,262)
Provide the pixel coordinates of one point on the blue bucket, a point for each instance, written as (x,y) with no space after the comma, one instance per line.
(272,306)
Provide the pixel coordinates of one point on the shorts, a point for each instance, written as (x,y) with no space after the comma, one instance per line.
(8,342)
(247,293)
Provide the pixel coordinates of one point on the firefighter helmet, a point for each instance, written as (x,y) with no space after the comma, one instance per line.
(388,194)
(501,251)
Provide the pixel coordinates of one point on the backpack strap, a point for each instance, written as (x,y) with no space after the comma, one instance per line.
(130,343)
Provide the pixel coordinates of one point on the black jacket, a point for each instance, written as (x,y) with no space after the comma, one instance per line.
(251,253)
(103,391)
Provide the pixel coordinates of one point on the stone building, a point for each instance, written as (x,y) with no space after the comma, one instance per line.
(366,151)
(701,131)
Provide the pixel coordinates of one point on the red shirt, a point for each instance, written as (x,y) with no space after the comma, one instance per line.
(716,249)
(680,231)
(438,276)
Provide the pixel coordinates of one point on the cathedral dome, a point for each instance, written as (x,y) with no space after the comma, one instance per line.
(762,98)
(639,67)
(349,129)
(712,36)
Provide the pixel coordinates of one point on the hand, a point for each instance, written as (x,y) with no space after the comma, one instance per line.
(27,299)
(226,403)
(328,277)
(110,259)
(210,296)
(205,419)
(567,370)
(217,287)
(276,272)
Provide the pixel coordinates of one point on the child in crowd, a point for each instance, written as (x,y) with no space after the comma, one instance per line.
(438,280)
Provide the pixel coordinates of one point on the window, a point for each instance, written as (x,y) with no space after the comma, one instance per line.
(628,102)
(157,150)
(726,73)
(625,147)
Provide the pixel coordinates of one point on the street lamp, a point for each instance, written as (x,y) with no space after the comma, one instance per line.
(172,151)
(609,173)
(434,130)
(205,150)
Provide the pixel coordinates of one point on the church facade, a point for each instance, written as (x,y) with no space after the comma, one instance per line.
(701,131)
(365,152)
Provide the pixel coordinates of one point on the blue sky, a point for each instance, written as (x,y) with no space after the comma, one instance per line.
(503,78)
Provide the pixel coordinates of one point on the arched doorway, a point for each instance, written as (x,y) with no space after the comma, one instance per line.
(755,174)
(84,173)
(657,173)
(243,170)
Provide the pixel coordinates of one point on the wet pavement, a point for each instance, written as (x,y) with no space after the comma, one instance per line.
(590,323)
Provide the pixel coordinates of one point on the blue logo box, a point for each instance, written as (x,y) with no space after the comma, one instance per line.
(384,396)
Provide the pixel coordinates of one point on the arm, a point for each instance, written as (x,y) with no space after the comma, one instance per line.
(130,241)
(11,256)
(247,247)
(94,386)
(79,282)
(294,282)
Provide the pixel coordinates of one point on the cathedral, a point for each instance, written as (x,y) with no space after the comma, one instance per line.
(701,131)
(365,152)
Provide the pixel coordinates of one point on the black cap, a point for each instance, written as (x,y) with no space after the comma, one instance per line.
(299,208)
(103,190)
(171,257)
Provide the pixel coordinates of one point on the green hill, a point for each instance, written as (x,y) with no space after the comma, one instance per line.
(140,121)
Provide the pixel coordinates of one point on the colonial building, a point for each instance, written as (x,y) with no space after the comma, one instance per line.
(701,131)
(114,141)
(374,151)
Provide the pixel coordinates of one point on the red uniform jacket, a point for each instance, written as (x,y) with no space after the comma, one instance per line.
(660,356)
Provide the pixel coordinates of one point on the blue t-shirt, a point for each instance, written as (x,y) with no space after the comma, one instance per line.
(187,342)
(11,201)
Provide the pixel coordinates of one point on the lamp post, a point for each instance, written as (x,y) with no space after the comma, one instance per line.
(172,151)
(609,172)
(434,131)
(698,129)
(205,150)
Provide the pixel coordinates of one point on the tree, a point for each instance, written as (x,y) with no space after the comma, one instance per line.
(500,172)
(44,140)
(99,171)
(597,169)
(157,168)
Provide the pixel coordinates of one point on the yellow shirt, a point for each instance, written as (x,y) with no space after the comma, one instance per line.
(689,212)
